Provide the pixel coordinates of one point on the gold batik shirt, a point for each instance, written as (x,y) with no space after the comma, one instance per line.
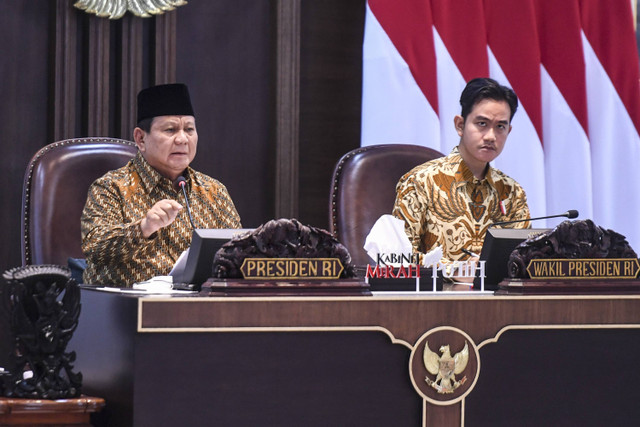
(442,203)
(117,253)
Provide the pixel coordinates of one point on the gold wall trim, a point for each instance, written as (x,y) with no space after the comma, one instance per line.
(556,327)
(385,331)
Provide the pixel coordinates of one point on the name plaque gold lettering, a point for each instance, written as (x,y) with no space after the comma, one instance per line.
(602,268)
(291,268)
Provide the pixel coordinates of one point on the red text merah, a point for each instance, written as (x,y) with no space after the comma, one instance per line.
(391,272)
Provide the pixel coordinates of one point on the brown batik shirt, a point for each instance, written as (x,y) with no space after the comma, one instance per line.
(117,253)
(443,204)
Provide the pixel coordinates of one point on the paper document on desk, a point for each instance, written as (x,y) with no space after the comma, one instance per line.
(141,292)
(158,285)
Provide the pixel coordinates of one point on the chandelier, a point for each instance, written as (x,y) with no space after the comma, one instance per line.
(115,9)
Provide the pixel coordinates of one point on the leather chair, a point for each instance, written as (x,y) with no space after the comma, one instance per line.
(55,190)
(364,188)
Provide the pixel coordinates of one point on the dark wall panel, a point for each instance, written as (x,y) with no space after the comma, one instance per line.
(223,53)
(330,97)
(24,29)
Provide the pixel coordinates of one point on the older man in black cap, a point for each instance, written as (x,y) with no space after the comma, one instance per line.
(133,226)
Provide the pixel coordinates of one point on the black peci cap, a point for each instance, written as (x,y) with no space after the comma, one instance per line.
(164,100)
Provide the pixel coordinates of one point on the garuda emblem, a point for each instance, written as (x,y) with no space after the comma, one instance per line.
(445,367)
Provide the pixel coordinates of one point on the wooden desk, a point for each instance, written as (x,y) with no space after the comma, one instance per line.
(350,360)
(36,412)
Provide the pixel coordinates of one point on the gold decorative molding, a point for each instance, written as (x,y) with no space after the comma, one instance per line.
(115,9)
(445,367)
(444,388)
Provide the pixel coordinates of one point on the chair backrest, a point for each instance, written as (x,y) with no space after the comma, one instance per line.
(55,190)
(364,188)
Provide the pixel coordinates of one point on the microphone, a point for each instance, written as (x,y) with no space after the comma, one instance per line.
(569,214)
(182,183)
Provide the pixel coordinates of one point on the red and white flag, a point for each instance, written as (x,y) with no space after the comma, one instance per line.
(574,65)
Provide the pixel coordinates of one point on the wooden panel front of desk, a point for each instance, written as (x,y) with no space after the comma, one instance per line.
(345,361)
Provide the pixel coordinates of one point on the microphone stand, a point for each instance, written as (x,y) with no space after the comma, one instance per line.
(569,214)
(182,183)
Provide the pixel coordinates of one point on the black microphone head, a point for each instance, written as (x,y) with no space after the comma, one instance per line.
(572,214)
(181,181)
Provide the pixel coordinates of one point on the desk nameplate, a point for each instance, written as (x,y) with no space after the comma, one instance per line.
(584,269)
